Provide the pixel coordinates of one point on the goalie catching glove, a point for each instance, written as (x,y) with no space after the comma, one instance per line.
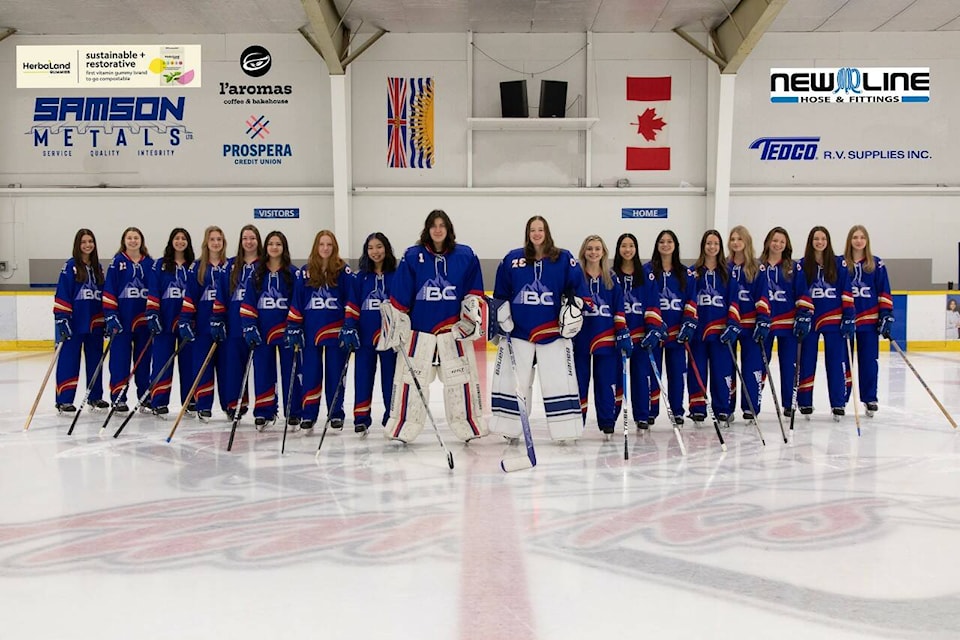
(469,327)
(394,328)
(571,316)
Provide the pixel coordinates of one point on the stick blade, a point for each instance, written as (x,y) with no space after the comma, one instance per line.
(517,463)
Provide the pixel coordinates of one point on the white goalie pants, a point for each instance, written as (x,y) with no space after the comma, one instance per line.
(461,387)
(558,385)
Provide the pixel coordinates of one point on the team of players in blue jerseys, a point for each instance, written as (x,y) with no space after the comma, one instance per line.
(216,316)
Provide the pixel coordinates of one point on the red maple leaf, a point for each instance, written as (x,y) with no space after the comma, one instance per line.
(649,124)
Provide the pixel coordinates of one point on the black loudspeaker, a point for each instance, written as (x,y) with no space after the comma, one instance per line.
(553,99)
(513,99)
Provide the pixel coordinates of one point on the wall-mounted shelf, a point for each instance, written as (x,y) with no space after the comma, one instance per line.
(531,124)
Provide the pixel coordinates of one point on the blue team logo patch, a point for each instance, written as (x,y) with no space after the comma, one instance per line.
(437,290)
(534,294)
(134,290)
(373,301)
(323,300)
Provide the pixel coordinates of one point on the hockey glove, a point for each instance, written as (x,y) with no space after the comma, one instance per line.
(848,328)
(64,332)
(394,327)
(252,336)
(499,319)
(885,326)
(218,330)
(469,327)
(294,336)
(761,331)
(624,342)
(112,325)
(687,329)
(185,331)
(153,324)
(730,334)
(349,339)
(655,336)
(571,316)
(801,326)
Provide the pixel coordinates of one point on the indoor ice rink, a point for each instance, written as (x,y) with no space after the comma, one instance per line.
(815,528)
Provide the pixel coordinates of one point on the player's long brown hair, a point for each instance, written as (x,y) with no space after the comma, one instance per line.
(810,259)
(205,251)
(449,242)
(604,271)
(323,273)
(239,262)
(700,266)
(751,267)
(550,250)
(78,261)
(143,243)
(786,258)
(869,264)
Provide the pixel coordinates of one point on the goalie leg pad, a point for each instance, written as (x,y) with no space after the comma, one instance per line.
(558,384)
(461,388)
(503,397)
(407,412)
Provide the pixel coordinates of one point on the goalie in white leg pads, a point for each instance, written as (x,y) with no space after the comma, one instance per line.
(527,306)
(434,315)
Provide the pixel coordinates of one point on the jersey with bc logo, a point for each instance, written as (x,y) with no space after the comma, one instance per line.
(322,310)
(80,302)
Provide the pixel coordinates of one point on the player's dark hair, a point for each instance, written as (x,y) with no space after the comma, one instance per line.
(324,273)
(449,242)
(656,260)
(169,263)
(618,259)
(810,259)
(262,265)
(143,243)
(550,250)
(239,262)
(700,266)
(389,259)
(786,257)
(78,258)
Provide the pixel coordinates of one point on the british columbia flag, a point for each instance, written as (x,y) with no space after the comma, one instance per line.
(410,123)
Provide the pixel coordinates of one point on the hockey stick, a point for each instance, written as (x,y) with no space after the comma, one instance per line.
(746,393)
(126,383)
(904,356)
(43,385)
(530,460)
(193,389)
(796,384)
(336,397)
(854,386)
(676,428)
(773,392)
(625,361)
(149,391)
(243,393)
(286,413)
(416,382)
(86,396)
(706,400)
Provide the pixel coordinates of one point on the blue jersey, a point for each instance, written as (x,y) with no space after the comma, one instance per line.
(748,300)
(534,291)
(430,286)
(636,293)
(603,318)
(200,302)
(79,302)
(322,310)
(712,301)
(668,305)
(125,290)
(783,289)
(830,302)
(231,300)
(267,302)
(871,293)
(370,290)
(165,292)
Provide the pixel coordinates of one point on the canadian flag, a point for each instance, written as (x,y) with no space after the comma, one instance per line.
(650,94)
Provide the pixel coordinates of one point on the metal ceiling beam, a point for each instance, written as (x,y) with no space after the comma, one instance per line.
(363,47)
(741,31)
(327,41)
(6,33)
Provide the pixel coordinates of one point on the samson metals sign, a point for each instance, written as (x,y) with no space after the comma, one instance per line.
(108,66)
(635,213)
(855,85)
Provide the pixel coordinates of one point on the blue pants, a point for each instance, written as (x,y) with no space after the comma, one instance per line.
(164,344)
(713,362)
(787,356)
(640,383)
(835,359)
(751,366)
(607,379)
(867,345)
(265,381)
(676,358)
(68,366)
(234,352)
(365,370)
(204,395)
(321,362)
(126,346)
